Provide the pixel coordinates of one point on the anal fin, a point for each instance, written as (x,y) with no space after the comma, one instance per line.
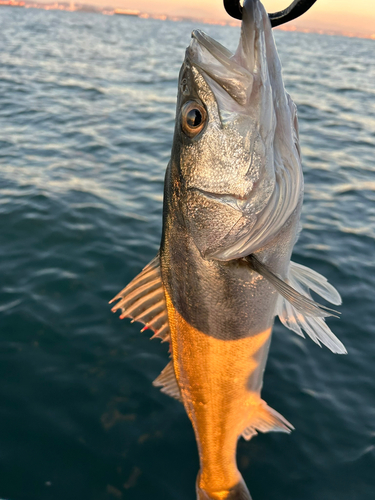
(266,419)
(168,382)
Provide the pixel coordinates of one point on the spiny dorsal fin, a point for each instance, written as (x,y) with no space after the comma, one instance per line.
(296,308)
(168,382)
(265,419)
(143,300)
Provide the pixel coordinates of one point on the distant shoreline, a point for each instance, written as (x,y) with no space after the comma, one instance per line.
(109,11)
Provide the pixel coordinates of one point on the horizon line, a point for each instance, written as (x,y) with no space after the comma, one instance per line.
(61,6)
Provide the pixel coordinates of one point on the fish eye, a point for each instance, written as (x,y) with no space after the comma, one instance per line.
(194,117)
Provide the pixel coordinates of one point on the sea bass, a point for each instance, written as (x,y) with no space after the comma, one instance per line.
(232,204)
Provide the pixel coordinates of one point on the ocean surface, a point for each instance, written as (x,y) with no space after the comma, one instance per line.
(87,105)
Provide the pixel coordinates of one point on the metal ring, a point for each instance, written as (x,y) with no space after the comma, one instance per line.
(295,9)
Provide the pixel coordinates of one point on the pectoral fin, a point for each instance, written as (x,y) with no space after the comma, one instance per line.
(265,419)
(303,279)
(143,300)
(301,303)
(296,309)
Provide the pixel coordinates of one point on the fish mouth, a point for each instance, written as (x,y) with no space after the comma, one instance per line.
(230,82)
(237,202)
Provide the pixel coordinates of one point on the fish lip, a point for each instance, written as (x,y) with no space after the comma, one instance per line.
(216,49)
(230,82)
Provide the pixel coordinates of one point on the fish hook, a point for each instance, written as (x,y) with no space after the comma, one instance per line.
(295,9)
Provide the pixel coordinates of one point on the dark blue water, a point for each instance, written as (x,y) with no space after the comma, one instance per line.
(86,123)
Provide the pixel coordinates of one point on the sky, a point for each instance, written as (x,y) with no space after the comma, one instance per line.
(356,17)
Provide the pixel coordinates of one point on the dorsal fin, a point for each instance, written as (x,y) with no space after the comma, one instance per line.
(168,382)
(143,300)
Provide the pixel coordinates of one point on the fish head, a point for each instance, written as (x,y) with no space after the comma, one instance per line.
(235,139)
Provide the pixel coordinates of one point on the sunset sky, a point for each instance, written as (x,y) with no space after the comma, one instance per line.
(356,17)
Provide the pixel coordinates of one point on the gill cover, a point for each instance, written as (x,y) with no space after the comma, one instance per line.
(243,171)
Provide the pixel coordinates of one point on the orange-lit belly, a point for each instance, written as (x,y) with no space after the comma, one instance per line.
(220,382)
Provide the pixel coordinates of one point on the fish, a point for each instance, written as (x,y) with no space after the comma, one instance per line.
(233,195)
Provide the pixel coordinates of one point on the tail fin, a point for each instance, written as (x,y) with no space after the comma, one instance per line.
(238,492)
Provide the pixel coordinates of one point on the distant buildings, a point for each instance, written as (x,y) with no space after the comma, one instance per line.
(11,3)
(127,12)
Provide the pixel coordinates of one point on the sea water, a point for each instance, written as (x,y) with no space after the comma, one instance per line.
(87,106)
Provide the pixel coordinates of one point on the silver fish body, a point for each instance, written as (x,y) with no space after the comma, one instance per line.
(233,188)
